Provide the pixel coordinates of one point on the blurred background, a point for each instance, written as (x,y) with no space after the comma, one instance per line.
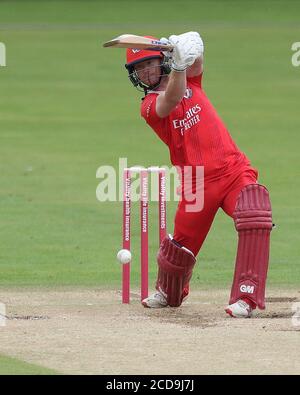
(67,107)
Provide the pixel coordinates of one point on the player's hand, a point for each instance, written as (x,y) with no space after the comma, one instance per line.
(167,54)
(196,39)
(183,53)
(187,47)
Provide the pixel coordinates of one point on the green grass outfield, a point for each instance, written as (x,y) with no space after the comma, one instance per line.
(67,107)
(13,366)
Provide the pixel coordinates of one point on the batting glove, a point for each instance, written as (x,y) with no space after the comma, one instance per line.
(187,47)
(196,39)
(167,54)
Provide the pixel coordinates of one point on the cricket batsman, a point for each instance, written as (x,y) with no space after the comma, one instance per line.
(176,107)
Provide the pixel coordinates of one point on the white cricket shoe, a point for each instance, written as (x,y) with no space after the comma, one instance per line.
(155,301)
(239,309)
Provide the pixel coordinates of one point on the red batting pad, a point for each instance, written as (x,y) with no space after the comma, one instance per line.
(253,221)
(175,267)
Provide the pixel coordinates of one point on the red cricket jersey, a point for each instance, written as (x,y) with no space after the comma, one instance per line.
(194,133)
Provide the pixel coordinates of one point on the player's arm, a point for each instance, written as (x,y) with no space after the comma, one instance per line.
(168,100)
(186,50)
(196,68)
(186,62)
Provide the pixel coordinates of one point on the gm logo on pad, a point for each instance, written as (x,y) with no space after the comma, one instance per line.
(248,289)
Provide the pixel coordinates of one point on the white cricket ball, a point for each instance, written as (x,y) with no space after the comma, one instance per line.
(124,256)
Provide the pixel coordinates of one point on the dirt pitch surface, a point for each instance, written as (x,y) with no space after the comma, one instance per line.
(91,332)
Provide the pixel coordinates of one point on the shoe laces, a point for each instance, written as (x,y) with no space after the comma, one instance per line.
(160,296)
(244,305)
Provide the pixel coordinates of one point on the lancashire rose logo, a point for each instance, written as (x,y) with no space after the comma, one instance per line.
(188,93)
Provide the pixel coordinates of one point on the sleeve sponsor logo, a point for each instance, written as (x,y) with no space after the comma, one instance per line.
(148,110)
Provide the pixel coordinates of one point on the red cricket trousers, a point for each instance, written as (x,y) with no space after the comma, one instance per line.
(191,228)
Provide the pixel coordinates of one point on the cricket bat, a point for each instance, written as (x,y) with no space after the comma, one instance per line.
(137,42)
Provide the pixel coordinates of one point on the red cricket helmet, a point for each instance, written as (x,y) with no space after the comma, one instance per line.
(134,56)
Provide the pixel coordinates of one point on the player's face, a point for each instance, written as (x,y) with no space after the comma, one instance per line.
(149,71)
